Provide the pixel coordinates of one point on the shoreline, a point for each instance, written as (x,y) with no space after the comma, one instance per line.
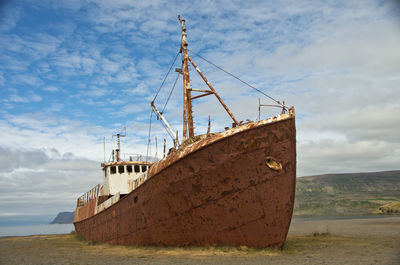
(68,228)
(32,230)
(342,217)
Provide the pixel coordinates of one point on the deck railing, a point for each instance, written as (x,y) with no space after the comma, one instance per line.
(138,157)
(90,195)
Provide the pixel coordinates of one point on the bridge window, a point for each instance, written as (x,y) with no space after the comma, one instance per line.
(129,169)
(144,168)
(113,170)
(121,169)
(137,168)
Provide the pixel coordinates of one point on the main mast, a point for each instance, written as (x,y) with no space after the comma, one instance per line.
(188,129)
(187,98)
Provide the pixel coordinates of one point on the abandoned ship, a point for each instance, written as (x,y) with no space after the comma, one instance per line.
(234,187)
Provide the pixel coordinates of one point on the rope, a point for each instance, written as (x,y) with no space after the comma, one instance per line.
(165,78)
(172,90)
(244,82)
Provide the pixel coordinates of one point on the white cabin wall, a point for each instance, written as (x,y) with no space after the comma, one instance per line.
(106,186)
(119,182)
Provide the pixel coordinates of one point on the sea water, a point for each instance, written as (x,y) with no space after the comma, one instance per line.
(43,229)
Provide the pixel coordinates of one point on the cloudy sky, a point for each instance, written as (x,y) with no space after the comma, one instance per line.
(72,72)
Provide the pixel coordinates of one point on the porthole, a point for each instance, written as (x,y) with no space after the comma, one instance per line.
(272,163)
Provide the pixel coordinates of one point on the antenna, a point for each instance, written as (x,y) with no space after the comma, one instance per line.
(164,148)
(118,150)
(156,149)
(104,145)
(209,125)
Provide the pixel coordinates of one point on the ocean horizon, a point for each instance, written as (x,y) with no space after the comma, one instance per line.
(38,229)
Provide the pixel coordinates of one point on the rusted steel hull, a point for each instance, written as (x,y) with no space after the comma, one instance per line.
(217,191)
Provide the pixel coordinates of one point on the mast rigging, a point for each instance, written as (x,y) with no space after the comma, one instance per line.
(188,128)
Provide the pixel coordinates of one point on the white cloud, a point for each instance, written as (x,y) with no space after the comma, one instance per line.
(334,156)
(18,99)
(110,67)
(30,97)
(54,107)
(1,79)
(130,109)
(45,131)
(26,79)
(9,16)
(127,74)
(140,90)
(96,92)
(51,88)
(338,63)
(40,181)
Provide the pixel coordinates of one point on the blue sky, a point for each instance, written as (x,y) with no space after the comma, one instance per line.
(72,72)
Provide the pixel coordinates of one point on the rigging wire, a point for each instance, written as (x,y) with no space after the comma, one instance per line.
(158,91)
(165,78)
(170,93)
(244,82)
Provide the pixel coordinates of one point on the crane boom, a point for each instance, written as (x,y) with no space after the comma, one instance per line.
(164,121)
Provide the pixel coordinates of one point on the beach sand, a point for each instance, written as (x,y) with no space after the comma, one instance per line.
(349,241)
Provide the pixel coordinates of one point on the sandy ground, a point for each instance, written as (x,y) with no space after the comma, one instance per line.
(352,241)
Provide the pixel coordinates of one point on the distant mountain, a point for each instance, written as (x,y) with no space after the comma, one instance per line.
(64,218)
(346,194)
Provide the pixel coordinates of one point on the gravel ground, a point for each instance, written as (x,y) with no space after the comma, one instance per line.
(350,241)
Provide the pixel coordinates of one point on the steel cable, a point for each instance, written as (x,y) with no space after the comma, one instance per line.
(165,78)
(244,82)
(170,93)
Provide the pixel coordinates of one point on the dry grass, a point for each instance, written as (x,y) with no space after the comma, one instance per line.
(190,252)
(72,242)
(369,242)
(308,243)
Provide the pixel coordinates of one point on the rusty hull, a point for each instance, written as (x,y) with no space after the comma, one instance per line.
(216,191)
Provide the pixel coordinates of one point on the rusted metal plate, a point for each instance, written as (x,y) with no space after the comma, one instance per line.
(216,191)
(85,211)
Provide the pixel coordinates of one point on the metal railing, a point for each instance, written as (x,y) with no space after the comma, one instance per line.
(139,157)
(90,195)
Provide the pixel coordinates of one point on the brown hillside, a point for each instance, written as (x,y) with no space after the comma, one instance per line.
(346,194)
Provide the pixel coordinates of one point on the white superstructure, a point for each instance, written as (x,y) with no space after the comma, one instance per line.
(123,176)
